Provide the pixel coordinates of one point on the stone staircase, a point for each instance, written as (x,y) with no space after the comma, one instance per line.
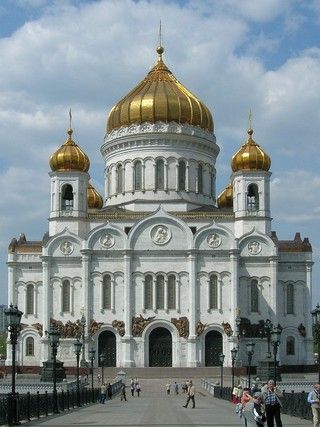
(160,372)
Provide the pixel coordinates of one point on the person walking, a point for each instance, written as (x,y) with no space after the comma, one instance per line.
(132,387)
(314,400)
(138,389)
(245,398)
(271,398)
(176,387)
(103,393)
(109,391)
(190,393)
(253,412)
(99,378)
(168,387)
(123,393)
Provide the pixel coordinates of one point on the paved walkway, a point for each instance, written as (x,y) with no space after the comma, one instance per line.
(155,408)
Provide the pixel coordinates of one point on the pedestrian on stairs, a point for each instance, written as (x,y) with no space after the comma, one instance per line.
(190,393)
(132,387)
(123,392)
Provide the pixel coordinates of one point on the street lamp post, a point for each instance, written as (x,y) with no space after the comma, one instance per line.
(221,359)
(250,351)
(102,360)
(13,317)
(53,336)
(275,340)
(238,333)
(267,329)
(77,350)
(316,334)
(83,362)
(92,354)
(233,359)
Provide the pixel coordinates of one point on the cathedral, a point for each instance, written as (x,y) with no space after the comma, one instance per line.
(160,271)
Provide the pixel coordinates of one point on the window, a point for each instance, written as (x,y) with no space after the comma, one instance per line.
(119,179)
(172,291)
(138,175)
(148,292)
(29,346)
(290,346)
(182,176)
(213,292)
(290,299)
(159,175)
(66,296)
(200,173)
(160,292)
(67,198)
(254,296)
(106,292)
(253,198)
(30,300)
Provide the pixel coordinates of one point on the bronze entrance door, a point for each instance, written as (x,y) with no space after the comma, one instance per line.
(160,347)
(213,348)
(107,346)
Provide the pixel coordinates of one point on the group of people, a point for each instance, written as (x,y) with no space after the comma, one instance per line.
(257,406)
(175,387)
(105,391)
(135,387)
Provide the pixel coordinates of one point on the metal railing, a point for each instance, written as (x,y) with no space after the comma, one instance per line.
(25,407)
(294,404)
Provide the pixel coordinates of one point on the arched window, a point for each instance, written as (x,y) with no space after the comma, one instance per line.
(213,292)
(29,346)
(108,181)
(106,292)
(200,174)
(30,300)
(182,175)
(67,198)
(138,175)
(66,296)
(290,299)
(254,296)
(148,292)
(171,291)
(253,198)
(119,179)
(160,292)
(290,346)
(160,174)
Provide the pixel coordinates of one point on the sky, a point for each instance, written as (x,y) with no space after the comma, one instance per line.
(236,56)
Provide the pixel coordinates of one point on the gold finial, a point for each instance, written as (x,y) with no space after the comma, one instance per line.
(70,119)
(250,131)
(160,48)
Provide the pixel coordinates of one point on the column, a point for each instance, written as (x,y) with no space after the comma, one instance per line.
(47,306)
(178,294)
(235,291)
(86,300)
(143,185)
(12,297)
(192,340)
(154,293)
(127,360)
(165,175)
(144,294)
(187,176)
(308,341)
(274,288)
(166,293)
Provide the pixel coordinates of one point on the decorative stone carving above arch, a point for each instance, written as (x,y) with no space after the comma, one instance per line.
(63,244)
(200,327)
(214,237)
(94,327)
(255,243)
(105,237)
(119,326)
(182,325)
(139,323)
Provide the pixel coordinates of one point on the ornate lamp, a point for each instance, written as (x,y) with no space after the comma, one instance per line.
(250,351)
(77,350)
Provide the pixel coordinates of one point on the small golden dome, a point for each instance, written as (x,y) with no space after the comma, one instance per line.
(250,157)
(160,97)
(225,199)
(94,198)
(69,157)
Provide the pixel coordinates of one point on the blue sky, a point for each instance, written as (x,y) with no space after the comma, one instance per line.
(262,55)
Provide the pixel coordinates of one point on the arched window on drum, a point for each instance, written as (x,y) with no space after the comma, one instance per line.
(254,297)
(160,292)
(200,179)
(171,292)
(120,179)
(138,175)
(213,292)
(66,295)
(148,292)
(181,176)
(159,174)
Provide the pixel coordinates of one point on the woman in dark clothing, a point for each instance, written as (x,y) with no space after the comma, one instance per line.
(109,391)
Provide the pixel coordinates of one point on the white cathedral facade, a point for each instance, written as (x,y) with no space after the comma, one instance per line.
(160,267)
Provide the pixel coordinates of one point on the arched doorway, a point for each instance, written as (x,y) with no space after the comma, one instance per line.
(160,347)
(213,348)
(107,345)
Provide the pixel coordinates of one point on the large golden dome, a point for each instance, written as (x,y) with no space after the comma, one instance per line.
(69,157)
(225,199)
(160,97)
(250,157)
(94,198)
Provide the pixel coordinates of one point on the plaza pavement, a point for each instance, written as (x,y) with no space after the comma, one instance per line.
(155,408)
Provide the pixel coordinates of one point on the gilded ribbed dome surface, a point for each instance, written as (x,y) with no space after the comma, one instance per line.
(250,157)
(160,97)
(225,199)
(94,198)
(69,157)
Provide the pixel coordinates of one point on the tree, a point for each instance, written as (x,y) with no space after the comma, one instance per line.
(3,345)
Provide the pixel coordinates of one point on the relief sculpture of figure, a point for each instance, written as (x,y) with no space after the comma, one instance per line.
(200,328)
(227,329)
(39,328)
(119,326)
(182,325)
(139,323)
(94,327)
(161,235)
